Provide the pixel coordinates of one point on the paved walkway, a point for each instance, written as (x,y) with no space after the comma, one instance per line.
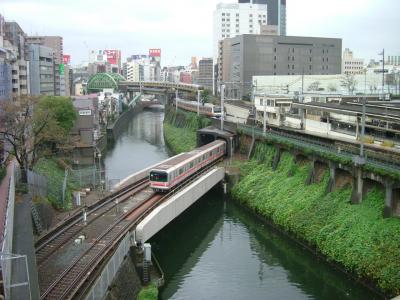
(23,245)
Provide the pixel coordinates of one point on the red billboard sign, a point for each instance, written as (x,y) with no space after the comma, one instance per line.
(66,59)
(113,56)
(155,52)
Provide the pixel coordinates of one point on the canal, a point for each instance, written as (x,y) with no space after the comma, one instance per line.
(217,249)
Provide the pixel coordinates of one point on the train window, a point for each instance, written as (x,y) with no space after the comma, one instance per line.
(191,165)
(181,170)
(158,176)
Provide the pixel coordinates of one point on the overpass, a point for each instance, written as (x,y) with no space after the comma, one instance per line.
(156,87)
(80,258)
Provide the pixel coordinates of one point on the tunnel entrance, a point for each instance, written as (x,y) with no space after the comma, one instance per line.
(210,134)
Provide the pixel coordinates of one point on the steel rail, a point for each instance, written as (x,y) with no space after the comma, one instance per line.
(81,276)
(76,218)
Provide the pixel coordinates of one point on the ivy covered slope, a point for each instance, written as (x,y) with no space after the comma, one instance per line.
(180,129)
(355,236)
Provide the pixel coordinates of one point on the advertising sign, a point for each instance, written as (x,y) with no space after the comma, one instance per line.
(112,56)
(155,52)
(66,59)
(61,69)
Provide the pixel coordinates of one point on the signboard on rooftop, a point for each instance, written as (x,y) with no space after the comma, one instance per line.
(66,59)
(155,52)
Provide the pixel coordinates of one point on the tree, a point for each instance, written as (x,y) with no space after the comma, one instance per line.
(29,130)
(349,82)
(61,108)
(314,86)
(205,95)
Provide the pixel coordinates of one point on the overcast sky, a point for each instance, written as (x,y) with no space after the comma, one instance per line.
(183,28)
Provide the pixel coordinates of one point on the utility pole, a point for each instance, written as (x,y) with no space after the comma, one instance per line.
(265,115)
(198,102)
(222,106)
(383,74)
(176,100)
(362,127)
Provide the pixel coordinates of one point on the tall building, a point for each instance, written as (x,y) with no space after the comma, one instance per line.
(15,41)
(205,78)
(352,65)
(250,55)
(234,19)
(41,66)
(56,44)
(276,13)
(393,60)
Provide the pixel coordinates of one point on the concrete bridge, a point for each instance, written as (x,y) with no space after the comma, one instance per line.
(157,87)
(82,256)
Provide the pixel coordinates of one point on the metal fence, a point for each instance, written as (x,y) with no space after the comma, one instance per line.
(10,263)
(37,184)
(316,145)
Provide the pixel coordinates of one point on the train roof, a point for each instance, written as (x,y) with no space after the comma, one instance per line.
(185,156)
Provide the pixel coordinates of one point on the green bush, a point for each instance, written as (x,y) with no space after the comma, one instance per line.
(356,236)
(180,129)
(149,292)
(55,178)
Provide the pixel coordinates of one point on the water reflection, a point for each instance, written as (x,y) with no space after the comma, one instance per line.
(217,250)
(139,146)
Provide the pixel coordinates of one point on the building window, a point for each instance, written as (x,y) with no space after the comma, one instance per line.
(292,58)
(223,35)
(237,31)
(251,26)
(251,31)
(310,59)
(223,19)
(274,66)
(223,14)
(275,50)
(275,57)
(310,67)
(237,15)
(292,67)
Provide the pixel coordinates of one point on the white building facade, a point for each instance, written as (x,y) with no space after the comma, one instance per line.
(352,65)
(234,19)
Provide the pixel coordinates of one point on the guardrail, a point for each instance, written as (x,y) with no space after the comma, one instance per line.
(305,143)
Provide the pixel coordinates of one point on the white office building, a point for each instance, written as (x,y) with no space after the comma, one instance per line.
(352,65)
(235,19)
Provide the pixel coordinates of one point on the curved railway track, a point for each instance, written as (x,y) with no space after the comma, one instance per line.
(56,238)
(71,280)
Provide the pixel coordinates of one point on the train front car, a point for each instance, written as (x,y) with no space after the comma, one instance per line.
(159,180)
(165,177)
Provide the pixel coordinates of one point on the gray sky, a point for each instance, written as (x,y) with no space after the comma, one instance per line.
(183,28)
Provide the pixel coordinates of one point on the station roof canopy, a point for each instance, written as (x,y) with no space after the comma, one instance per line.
(382,112)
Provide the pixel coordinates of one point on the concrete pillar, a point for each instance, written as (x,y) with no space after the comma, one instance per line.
(388,210)
(332,177)
(277,158)
(358,186)
(311,174)
(357,128)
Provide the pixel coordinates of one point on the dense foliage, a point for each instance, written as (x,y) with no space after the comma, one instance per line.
(55,179)
(149,292)
(62,110)
(356,236)
(180,129)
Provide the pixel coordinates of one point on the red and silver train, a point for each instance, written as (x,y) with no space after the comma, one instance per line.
(206,109)
(165,177)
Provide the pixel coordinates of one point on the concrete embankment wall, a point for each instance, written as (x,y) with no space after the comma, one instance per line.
(115,129)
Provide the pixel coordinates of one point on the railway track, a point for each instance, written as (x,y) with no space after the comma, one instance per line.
(55,239)
(71,280)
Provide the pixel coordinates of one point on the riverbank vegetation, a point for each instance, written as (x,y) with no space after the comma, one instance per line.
(55,174)
(180,129)
(149,292)
(355,236)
